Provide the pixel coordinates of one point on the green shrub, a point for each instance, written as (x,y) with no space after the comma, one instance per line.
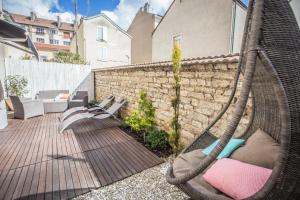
(157,140)
(68,57)
(143,119)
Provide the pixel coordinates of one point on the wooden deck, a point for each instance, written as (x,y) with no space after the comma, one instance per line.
(36,162)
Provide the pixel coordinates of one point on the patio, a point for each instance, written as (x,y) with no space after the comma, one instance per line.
(38,163)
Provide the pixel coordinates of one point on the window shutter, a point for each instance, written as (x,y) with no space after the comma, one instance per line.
(104,53)
(104,29)
(100,53)
(99,33)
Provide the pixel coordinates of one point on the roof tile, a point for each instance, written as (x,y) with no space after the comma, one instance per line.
(21,19)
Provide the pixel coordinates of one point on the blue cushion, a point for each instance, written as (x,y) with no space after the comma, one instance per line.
(232,145)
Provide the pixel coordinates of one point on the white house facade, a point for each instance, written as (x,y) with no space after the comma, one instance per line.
(101,42)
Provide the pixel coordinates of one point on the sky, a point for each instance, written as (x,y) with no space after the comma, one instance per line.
(121,11)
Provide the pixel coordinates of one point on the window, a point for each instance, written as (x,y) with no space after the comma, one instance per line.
(101,33)
(102,53)
(177,39)
(43,58)
(52,41)
(40,40)
(53,31)
(66,43)
(40,30)
(67,35)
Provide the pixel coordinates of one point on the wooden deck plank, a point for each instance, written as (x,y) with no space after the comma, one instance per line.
(28,181)
(42,182)
(62,179)
(21,183)
(69,180)
(35,182)
(36,162)
(49,180)
(8,177)
(12,186)
(56,182)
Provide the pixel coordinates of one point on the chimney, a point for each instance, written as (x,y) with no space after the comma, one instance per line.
(58,21)
(146,7)
(32,16)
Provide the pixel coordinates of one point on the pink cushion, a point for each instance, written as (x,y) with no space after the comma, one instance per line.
(237,179)
(65,96)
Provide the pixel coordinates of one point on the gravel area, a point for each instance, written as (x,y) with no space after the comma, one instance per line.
(147,185)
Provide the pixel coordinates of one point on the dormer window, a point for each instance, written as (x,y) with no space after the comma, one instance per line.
(101,33)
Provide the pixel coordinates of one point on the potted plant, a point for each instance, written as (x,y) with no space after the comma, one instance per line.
(15,86)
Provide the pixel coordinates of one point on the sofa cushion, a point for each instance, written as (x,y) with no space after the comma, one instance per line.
(260,149)
(51,94)
(237,179)
(229,148)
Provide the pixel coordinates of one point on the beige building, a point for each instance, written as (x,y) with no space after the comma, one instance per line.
(101,42)
(141,30)
(202,27)
(49,36)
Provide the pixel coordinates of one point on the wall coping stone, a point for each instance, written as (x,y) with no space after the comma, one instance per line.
(226,59)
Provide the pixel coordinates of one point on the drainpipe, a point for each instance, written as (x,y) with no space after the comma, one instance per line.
(233,19)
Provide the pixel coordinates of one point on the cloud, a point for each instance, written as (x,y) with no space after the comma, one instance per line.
(41,7)
(127,9)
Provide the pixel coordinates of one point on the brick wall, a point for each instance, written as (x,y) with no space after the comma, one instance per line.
(206,86)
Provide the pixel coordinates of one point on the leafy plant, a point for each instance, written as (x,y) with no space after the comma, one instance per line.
(176,132)
(68,57)
(92,103)
(26,57)
(143,119)
(16,85)
(157,140)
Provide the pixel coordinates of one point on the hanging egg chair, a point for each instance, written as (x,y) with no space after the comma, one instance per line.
(270,64)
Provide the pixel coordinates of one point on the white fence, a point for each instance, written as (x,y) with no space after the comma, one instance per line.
(51,76)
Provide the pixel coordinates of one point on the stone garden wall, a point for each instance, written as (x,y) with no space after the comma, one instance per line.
(206,86)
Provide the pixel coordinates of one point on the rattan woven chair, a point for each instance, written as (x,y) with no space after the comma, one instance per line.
(270,62)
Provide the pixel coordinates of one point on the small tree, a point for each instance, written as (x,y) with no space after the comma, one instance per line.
(68,57)
(176,132)
(15,85)
(143,119)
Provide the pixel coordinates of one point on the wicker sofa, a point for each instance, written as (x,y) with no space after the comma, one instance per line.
(50,101)
(79,99)
(26,108)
